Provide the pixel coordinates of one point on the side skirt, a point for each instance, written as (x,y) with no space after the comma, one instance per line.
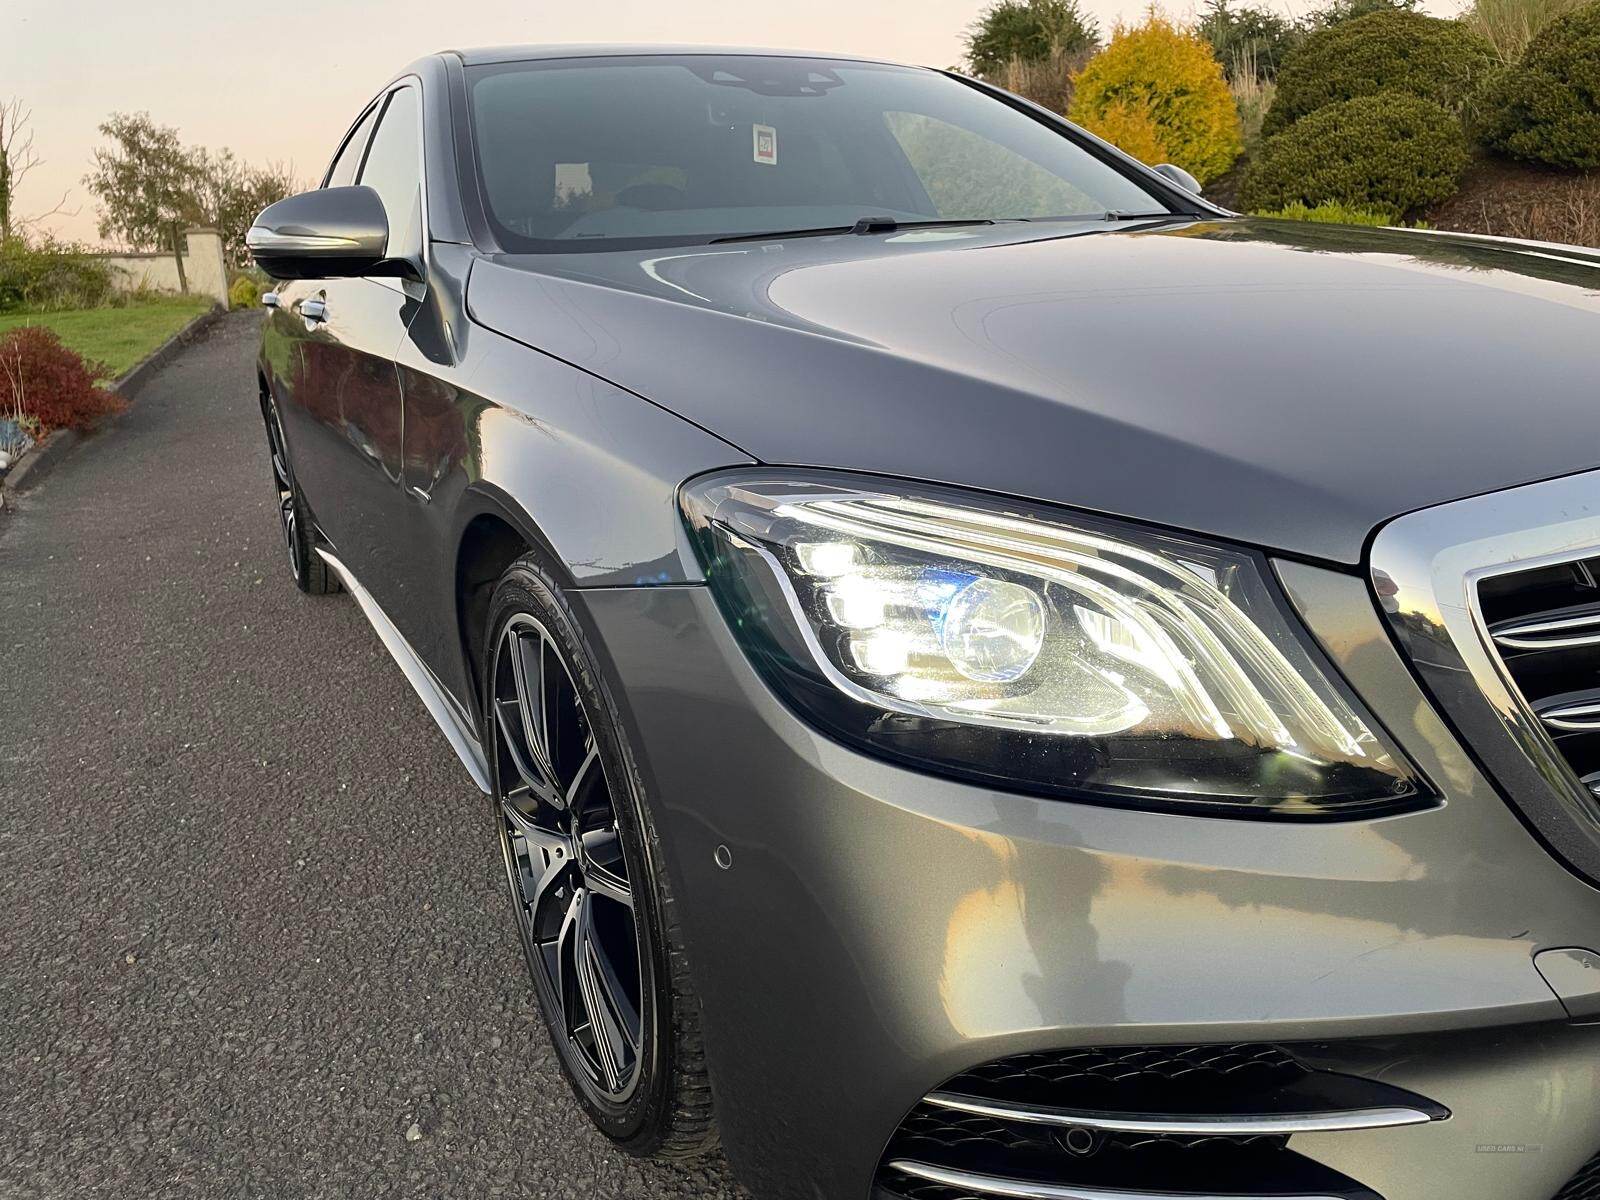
(455,725)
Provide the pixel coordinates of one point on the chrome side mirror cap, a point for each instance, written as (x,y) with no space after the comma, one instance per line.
(329,233)
(1180,177)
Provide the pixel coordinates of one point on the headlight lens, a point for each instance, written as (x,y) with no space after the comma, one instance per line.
(1086,659)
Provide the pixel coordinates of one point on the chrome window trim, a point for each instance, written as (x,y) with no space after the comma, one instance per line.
(1425,570)
(403,286)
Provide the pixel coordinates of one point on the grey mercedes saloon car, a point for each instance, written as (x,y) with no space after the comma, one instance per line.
(992,676)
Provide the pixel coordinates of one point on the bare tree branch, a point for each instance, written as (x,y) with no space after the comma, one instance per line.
(17,158)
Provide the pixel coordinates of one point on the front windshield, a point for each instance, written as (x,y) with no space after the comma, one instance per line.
(601,153)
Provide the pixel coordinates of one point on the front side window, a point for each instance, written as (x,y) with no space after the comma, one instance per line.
(348,162)
(609,152)
(394,170)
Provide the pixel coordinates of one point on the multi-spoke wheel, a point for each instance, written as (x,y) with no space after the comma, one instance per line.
(311,573)
(583,881)
(564,856)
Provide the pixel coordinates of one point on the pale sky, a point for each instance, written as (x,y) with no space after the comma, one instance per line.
(282,81)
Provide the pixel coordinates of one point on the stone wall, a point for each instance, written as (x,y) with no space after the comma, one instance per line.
(203,265)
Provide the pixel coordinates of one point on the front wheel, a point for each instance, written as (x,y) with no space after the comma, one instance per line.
(312,574)
(591,901)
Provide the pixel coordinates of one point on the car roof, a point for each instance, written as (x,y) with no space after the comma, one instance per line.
(482,55)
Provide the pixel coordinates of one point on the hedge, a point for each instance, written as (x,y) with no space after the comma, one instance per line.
(1392,51)
(1547,108)
(1388,153)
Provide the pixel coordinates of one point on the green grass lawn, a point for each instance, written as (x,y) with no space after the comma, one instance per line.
(118,337)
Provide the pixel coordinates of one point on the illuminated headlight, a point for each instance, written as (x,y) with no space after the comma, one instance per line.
(1059,654)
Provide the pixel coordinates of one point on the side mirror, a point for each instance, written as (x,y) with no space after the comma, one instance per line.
(331,233)
(1180,177)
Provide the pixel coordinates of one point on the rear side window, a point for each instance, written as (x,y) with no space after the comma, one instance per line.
(393,170)
(345,166)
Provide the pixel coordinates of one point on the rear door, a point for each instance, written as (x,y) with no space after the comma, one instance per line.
(345,420)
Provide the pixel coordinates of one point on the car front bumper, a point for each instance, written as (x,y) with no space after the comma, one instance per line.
(876,931)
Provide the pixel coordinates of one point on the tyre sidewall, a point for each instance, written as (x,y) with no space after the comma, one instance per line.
(638,1124)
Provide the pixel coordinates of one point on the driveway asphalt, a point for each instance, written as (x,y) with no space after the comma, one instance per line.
(252,916)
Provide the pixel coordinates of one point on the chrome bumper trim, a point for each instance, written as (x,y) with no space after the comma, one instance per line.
(1028,1189)
(1220,1125)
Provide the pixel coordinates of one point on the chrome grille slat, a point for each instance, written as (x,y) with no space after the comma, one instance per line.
(1577,716)
(1548,632)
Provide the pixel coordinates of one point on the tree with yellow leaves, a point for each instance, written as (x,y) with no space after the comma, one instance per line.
(1157,92)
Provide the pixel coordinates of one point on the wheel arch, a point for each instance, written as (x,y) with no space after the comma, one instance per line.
(493,532)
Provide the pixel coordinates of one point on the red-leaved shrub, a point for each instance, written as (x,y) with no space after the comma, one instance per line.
(41,378)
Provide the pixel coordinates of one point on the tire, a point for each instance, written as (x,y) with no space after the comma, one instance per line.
(575,832)
(311,573)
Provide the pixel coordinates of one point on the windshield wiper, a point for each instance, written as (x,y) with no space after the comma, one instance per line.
(864,226)
(1114,215)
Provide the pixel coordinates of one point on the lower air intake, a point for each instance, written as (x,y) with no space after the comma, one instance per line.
(1157,1122)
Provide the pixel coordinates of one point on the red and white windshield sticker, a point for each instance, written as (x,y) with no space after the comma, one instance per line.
(765,141)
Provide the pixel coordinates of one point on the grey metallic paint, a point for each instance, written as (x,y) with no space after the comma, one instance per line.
(878,930)
(1161,372)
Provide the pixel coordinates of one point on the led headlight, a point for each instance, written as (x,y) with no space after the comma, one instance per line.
(1076,657)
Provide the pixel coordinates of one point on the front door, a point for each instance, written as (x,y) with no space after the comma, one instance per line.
(345,422)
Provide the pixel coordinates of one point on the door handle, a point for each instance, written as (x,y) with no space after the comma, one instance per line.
(314,311)
(270,299)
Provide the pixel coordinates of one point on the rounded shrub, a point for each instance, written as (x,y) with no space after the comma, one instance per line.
(1547,108)
(1130,129)
(50,385)
(1163,90)
(244,292)
(1389,51)
(1388,153)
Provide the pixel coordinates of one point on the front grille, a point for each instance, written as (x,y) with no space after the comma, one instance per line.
(1544,625)
(1494,601)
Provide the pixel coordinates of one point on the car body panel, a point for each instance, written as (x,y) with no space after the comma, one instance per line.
(901,928)
(343,425)
(1161,373)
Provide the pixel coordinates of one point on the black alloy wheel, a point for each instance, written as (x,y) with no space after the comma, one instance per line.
(311,574)
(580,862)
(565,860)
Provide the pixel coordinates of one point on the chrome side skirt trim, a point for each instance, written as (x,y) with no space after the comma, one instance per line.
(1206,1125)
(452,722)
(1028,1189)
